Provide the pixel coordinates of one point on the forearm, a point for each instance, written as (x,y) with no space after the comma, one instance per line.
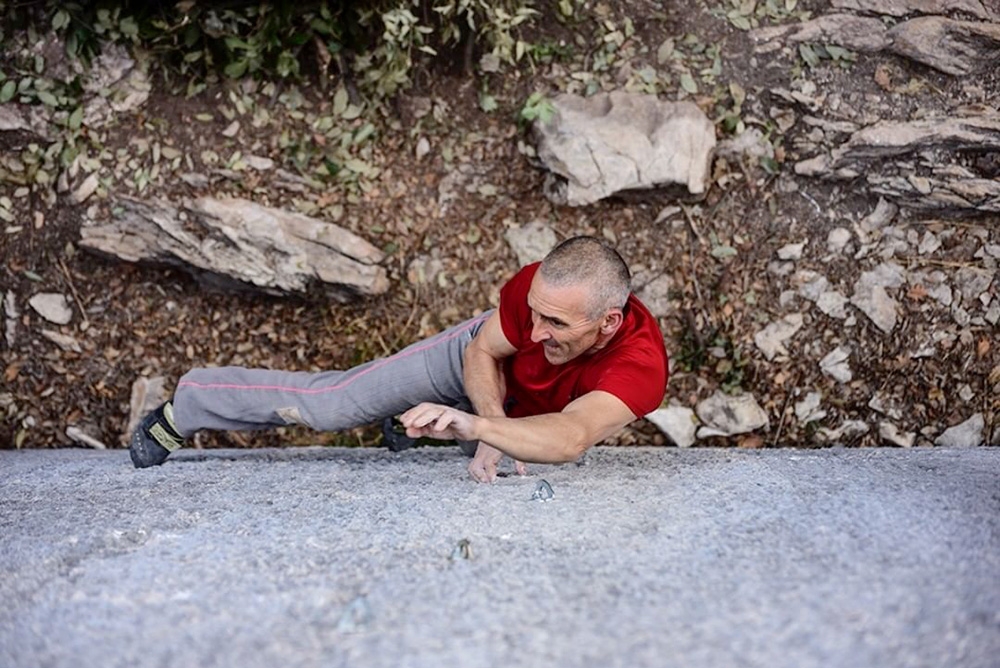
(484,383)
(552,438)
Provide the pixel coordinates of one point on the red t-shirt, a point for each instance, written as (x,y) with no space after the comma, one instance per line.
(632,367)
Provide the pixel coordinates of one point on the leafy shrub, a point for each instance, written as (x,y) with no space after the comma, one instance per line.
(376,42)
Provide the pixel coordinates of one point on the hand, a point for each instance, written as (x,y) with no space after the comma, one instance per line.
(483,467)
(440,422)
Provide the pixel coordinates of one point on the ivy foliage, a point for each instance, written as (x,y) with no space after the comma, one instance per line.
(376,43)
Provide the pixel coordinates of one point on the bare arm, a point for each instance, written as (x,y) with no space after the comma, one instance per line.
(484,383)
(550,438)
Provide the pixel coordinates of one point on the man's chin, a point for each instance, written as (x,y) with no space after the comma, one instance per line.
(554,357)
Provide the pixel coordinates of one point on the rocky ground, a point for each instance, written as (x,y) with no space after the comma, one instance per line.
(836,282)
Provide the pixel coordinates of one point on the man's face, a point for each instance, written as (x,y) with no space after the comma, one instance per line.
(560,322)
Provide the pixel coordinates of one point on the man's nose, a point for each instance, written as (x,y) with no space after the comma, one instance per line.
(539,332)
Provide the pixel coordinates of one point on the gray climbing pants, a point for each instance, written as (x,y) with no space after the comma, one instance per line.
(227,398)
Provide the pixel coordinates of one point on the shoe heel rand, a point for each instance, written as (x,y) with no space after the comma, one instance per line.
(161,436)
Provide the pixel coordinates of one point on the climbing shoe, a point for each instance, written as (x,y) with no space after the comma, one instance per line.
(394,436)
(155,438)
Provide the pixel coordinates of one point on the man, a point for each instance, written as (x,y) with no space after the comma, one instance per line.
(569,358)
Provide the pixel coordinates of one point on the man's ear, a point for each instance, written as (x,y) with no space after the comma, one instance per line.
(612,321)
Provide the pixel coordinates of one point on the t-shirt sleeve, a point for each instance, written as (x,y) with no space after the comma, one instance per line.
(515,316)
(640,382)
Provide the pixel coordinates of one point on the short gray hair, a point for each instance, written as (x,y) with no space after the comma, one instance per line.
(591,262)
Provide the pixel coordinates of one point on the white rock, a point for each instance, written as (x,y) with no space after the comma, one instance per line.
(836,365)
(666,213)
(751,143)
(78,436)
(724,414)
(147,394)
(882,215)
(929,243)
(52,306)
(787,298)
(424,270)
(808,410)
(972,282)
(531,242)
(872,299)
(791,251)
(992,315)
(423,148)
(10,319)
(833,304)
(810,284)
(771,339)
(890,433)
(968,434)
(837,239)
(232,129)
(85,189)
(678,423)
(884,405)
(780,268)
(64,341)
(655,293)
(259,163)
(849,430)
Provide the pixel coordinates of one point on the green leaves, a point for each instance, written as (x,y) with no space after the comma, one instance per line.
(537,107)
(60,20)
(8,91)
(688,83)
(487,102)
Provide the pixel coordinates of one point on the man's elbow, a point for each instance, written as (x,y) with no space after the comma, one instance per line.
(573,448)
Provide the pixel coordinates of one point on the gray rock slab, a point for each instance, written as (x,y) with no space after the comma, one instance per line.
(610,142)
(237,242)
(902,8)
(646,557)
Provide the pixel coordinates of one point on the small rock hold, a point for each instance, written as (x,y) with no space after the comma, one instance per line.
(52,306)
(356,615)
(543,492)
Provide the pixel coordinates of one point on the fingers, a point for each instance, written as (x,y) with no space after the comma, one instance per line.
(520,467)
(429,420)
(482,471)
